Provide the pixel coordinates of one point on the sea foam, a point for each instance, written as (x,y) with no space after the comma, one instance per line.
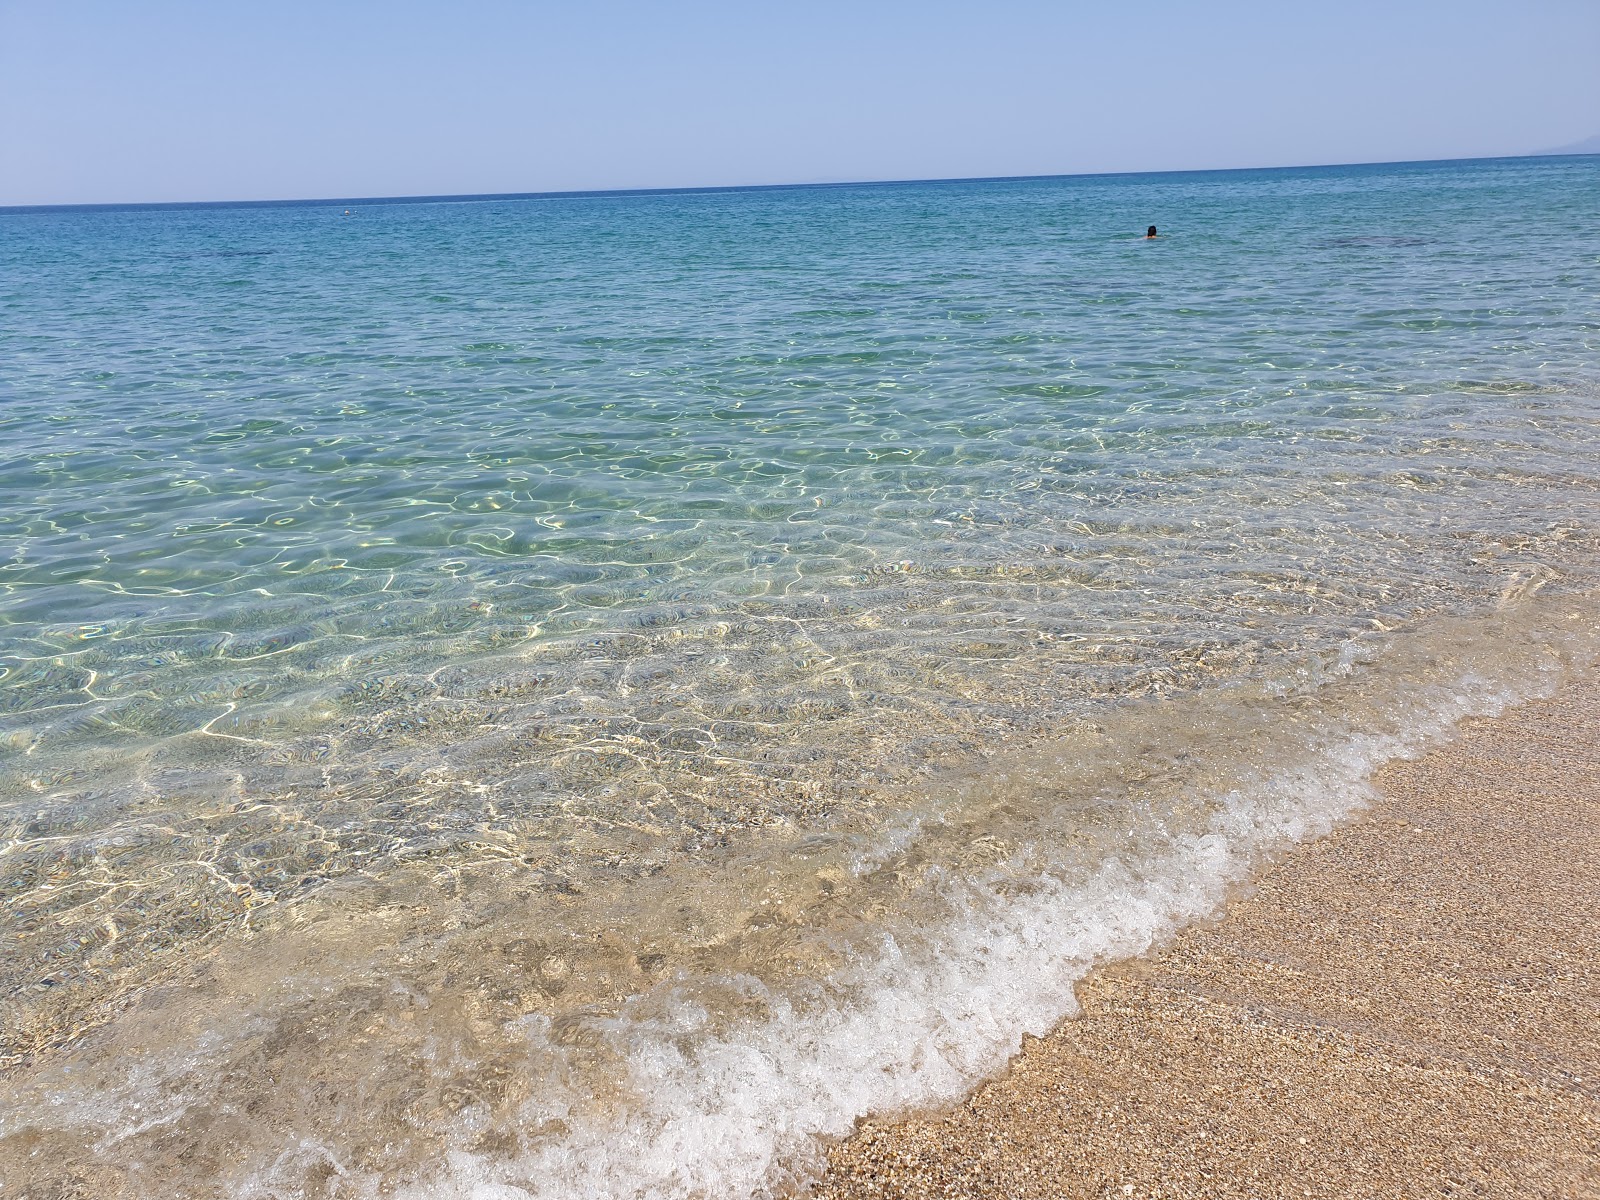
(918,1019)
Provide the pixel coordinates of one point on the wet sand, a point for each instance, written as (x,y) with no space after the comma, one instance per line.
(1408,1008)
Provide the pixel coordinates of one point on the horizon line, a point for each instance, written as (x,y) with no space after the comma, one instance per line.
(714,189)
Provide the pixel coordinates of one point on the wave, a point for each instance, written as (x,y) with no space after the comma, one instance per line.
(706,1032)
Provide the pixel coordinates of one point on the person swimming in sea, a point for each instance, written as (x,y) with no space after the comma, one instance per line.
(1150,233)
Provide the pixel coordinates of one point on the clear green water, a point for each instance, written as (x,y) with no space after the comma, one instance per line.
(501,603)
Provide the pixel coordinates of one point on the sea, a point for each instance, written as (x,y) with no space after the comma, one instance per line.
(589,695)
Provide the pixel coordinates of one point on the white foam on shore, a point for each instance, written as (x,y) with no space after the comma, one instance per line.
(749,1112)
(717,1086)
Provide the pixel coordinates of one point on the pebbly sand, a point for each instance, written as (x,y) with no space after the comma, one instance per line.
(1408,1008)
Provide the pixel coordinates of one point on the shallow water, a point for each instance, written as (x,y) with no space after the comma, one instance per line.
(583,696)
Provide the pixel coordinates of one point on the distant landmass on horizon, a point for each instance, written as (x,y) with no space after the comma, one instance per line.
(1589,145)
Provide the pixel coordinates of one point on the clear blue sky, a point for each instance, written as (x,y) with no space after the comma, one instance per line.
(124,101)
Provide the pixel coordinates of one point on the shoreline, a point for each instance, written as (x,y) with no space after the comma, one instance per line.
(1407,1007)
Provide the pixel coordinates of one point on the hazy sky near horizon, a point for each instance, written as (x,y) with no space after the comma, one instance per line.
(166,100)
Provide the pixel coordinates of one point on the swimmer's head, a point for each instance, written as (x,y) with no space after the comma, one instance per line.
(1151,232)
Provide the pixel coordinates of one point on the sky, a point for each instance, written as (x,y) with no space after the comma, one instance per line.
(105,101)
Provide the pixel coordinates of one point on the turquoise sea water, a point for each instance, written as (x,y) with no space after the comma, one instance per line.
(588,695)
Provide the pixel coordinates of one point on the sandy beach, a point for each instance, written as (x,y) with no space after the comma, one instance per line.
(1407,1008)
